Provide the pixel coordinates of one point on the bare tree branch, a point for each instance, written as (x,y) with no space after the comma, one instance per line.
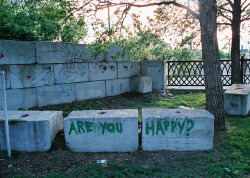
(224,24)
(230,2)
(223,15)
(244,3)
(245,7)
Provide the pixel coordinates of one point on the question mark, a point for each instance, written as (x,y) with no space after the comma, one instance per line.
(190,128)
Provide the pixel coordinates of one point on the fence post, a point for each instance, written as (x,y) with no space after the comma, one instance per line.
(242,69)
(5,113)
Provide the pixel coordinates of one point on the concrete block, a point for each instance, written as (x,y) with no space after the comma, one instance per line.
(102,71)
(25,76)
(54,52)
(84,54)
(70,73)
(5,68)
(89,90)
(157,69)
(57,94)
(117,86)
(102,130)
(19,98)
(128,69)
(141,84)
(17,52)
(237,99)
(177,129)
(116,53)
(31,130)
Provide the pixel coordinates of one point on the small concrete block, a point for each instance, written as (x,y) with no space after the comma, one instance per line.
(116,53)
(141,84)
(70,73)
(102,71)
(128,69)
(17,52)
(54,52)
(30,130)
(117,86)
(157,69)
(25,76)
(237,99)
(57,94)
(89,90)
(177,129)
(5,68)
(84,54)
(19,98)
(102,130)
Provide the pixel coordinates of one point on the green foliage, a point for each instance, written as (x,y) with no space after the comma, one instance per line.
(40,21)
(224,55)
(197,54)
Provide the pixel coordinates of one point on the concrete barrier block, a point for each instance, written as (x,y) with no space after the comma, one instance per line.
(17,52)
(157,69)
(70,73)
(31,130)
(102,71)
(128,69)
(19,98)
(102,130)
(89,90)
(57,94)
(177,129)
(84,54)
(5,68)
(116,53)
(55,52)
(237,99)
(25,76)
(117,86)
(141,84)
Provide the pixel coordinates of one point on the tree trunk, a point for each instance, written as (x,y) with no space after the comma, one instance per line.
(211,60)
(235,48)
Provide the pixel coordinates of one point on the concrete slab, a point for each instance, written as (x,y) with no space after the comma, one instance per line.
(102,130)
(116,53)
(17,52)
(102,71)
(57,94)
(70,73)
(128,69)
(117,86)
(5,68)
(89,90)
(31,130)
(157,69)
(19,98)
(25,76)
(141,84)
(177,129)
(237,99)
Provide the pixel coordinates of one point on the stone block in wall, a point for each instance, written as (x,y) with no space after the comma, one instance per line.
(84,54)
(17,52)
(102,130)
(117,86)
(57,94)
(141,84)
(31,130)
(128,69)
(89,90)
(5,68)
(116,53)
(19,98)
(157,69)
(177,129)
(102,71)
(54,52)
(25,76)
(71,72)
(237,99)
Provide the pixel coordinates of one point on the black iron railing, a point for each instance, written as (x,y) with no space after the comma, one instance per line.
(191,73)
